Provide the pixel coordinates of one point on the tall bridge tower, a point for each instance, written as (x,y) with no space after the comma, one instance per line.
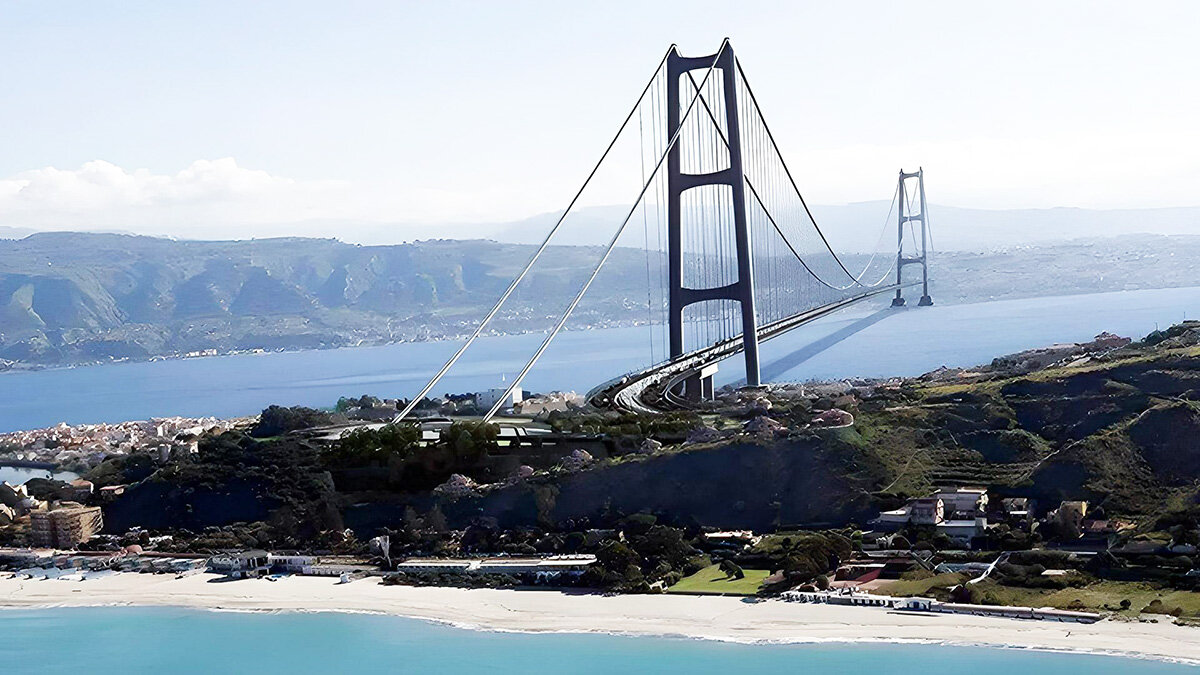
(741,290)
(906,215)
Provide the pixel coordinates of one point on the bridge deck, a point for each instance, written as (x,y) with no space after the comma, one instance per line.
(650,390)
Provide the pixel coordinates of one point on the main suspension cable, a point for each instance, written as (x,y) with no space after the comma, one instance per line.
(611,244)
(537,254)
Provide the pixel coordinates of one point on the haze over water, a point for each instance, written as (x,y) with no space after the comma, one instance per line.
(861,342)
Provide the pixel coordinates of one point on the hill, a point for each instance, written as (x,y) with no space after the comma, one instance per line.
(77,298)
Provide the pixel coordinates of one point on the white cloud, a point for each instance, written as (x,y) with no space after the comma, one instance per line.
(221,199)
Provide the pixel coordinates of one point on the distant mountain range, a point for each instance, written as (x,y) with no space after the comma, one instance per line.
(82,297)
(72,297)
(849,227)
(857,227)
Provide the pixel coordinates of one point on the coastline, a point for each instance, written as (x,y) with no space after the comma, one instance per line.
(700,617)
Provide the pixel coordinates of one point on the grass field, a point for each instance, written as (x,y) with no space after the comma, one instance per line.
(712,580)
(1099,596)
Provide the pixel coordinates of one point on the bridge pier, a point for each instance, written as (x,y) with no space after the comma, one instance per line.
(699,386)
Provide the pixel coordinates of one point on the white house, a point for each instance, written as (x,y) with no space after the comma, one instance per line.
(963,500)
(487,399)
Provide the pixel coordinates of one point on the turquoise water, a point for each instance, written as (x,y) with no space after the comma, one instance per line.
(864,341)
(109,640)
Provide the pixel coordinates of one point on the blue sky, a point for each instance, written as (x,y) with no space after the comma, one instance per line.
(251,113)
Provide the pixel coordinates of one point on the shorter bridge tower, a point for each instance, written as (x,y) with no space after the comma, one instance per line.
(906,215)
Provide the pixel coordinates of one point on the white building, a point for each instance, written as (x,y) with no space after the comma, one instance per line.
(965,501)
(487,399)
(963,531)
(923,511)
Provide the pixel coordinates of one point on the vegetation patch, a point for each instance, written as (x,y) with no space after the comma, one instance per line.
(713,580)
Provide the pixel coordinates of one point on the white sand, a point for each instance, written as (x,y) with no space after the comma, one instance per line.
(548,611)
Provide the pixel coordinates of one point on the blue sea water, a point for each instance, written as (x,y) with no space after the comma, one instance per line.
(163,640)
(15,475)
(871,341)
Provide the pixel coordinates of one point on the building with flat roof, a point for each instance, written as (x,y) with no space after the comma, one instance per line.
(552,566)
(241,564)
(965,501)
(487,399)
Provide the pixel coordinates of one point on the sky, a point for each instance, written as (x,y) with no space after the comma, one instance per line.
(416,119)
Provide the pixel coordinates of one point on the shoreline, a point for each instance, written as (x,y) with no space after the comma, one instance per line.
(726,619)
(34,367)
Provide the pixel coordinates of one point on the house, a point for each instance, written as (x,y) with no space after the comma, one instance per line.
(14,497)
(487,399)
(110,492)
(922,511)
(734,538)
(1016,508)
(311,565)
(1071,515)
(532,567)
(241,564)
(964,501)
(963,532)
(81,490)
(927,511)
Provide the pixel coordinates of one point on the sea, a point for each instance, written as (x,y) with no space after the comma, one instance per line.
(871,341)
(16,475)
(167,640)
(863,341)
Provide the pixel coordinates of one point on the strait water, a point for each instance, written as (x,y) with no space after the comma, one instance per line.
(15,475)
(870,341)
(111,640)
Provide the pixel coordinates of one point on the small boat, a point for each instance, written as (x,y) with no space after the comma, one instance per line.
(276,577)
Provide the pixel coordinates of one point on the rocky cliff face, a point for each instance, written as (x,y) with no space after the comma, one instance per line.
(1121,429)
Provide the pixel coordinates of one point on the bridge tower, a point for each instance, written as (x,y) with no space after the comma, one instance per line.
(742,290)
(905,216)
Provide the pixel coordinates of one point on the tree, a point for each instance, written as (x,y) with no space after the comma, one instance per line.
(732,570)
(469,441)
(365,445)
(278,420)
(822,582)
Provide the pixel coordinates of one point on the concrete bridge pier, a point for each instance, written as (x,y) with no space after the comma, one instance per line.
(699,387)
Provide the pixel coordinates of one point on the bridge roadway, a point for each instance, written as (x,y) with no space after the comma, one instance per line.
(650,390)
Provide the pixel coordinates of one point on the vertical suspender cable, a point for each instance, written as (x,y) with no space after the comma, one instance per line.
(608,251)
(645,236)
(537,254)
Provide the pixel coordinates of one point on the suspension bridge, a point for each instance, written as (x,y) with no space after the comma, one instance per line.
(738,256)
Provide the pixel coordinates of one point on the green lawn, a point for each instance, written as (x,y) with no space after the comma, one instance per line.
(712,580)
(1099,596)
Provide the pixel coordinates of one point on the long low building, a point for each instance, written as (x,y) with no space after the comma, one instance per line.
(552,565)
(918,604)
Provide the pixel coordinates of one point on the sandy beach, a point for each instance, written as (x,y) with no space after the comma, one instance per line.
(716,618)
